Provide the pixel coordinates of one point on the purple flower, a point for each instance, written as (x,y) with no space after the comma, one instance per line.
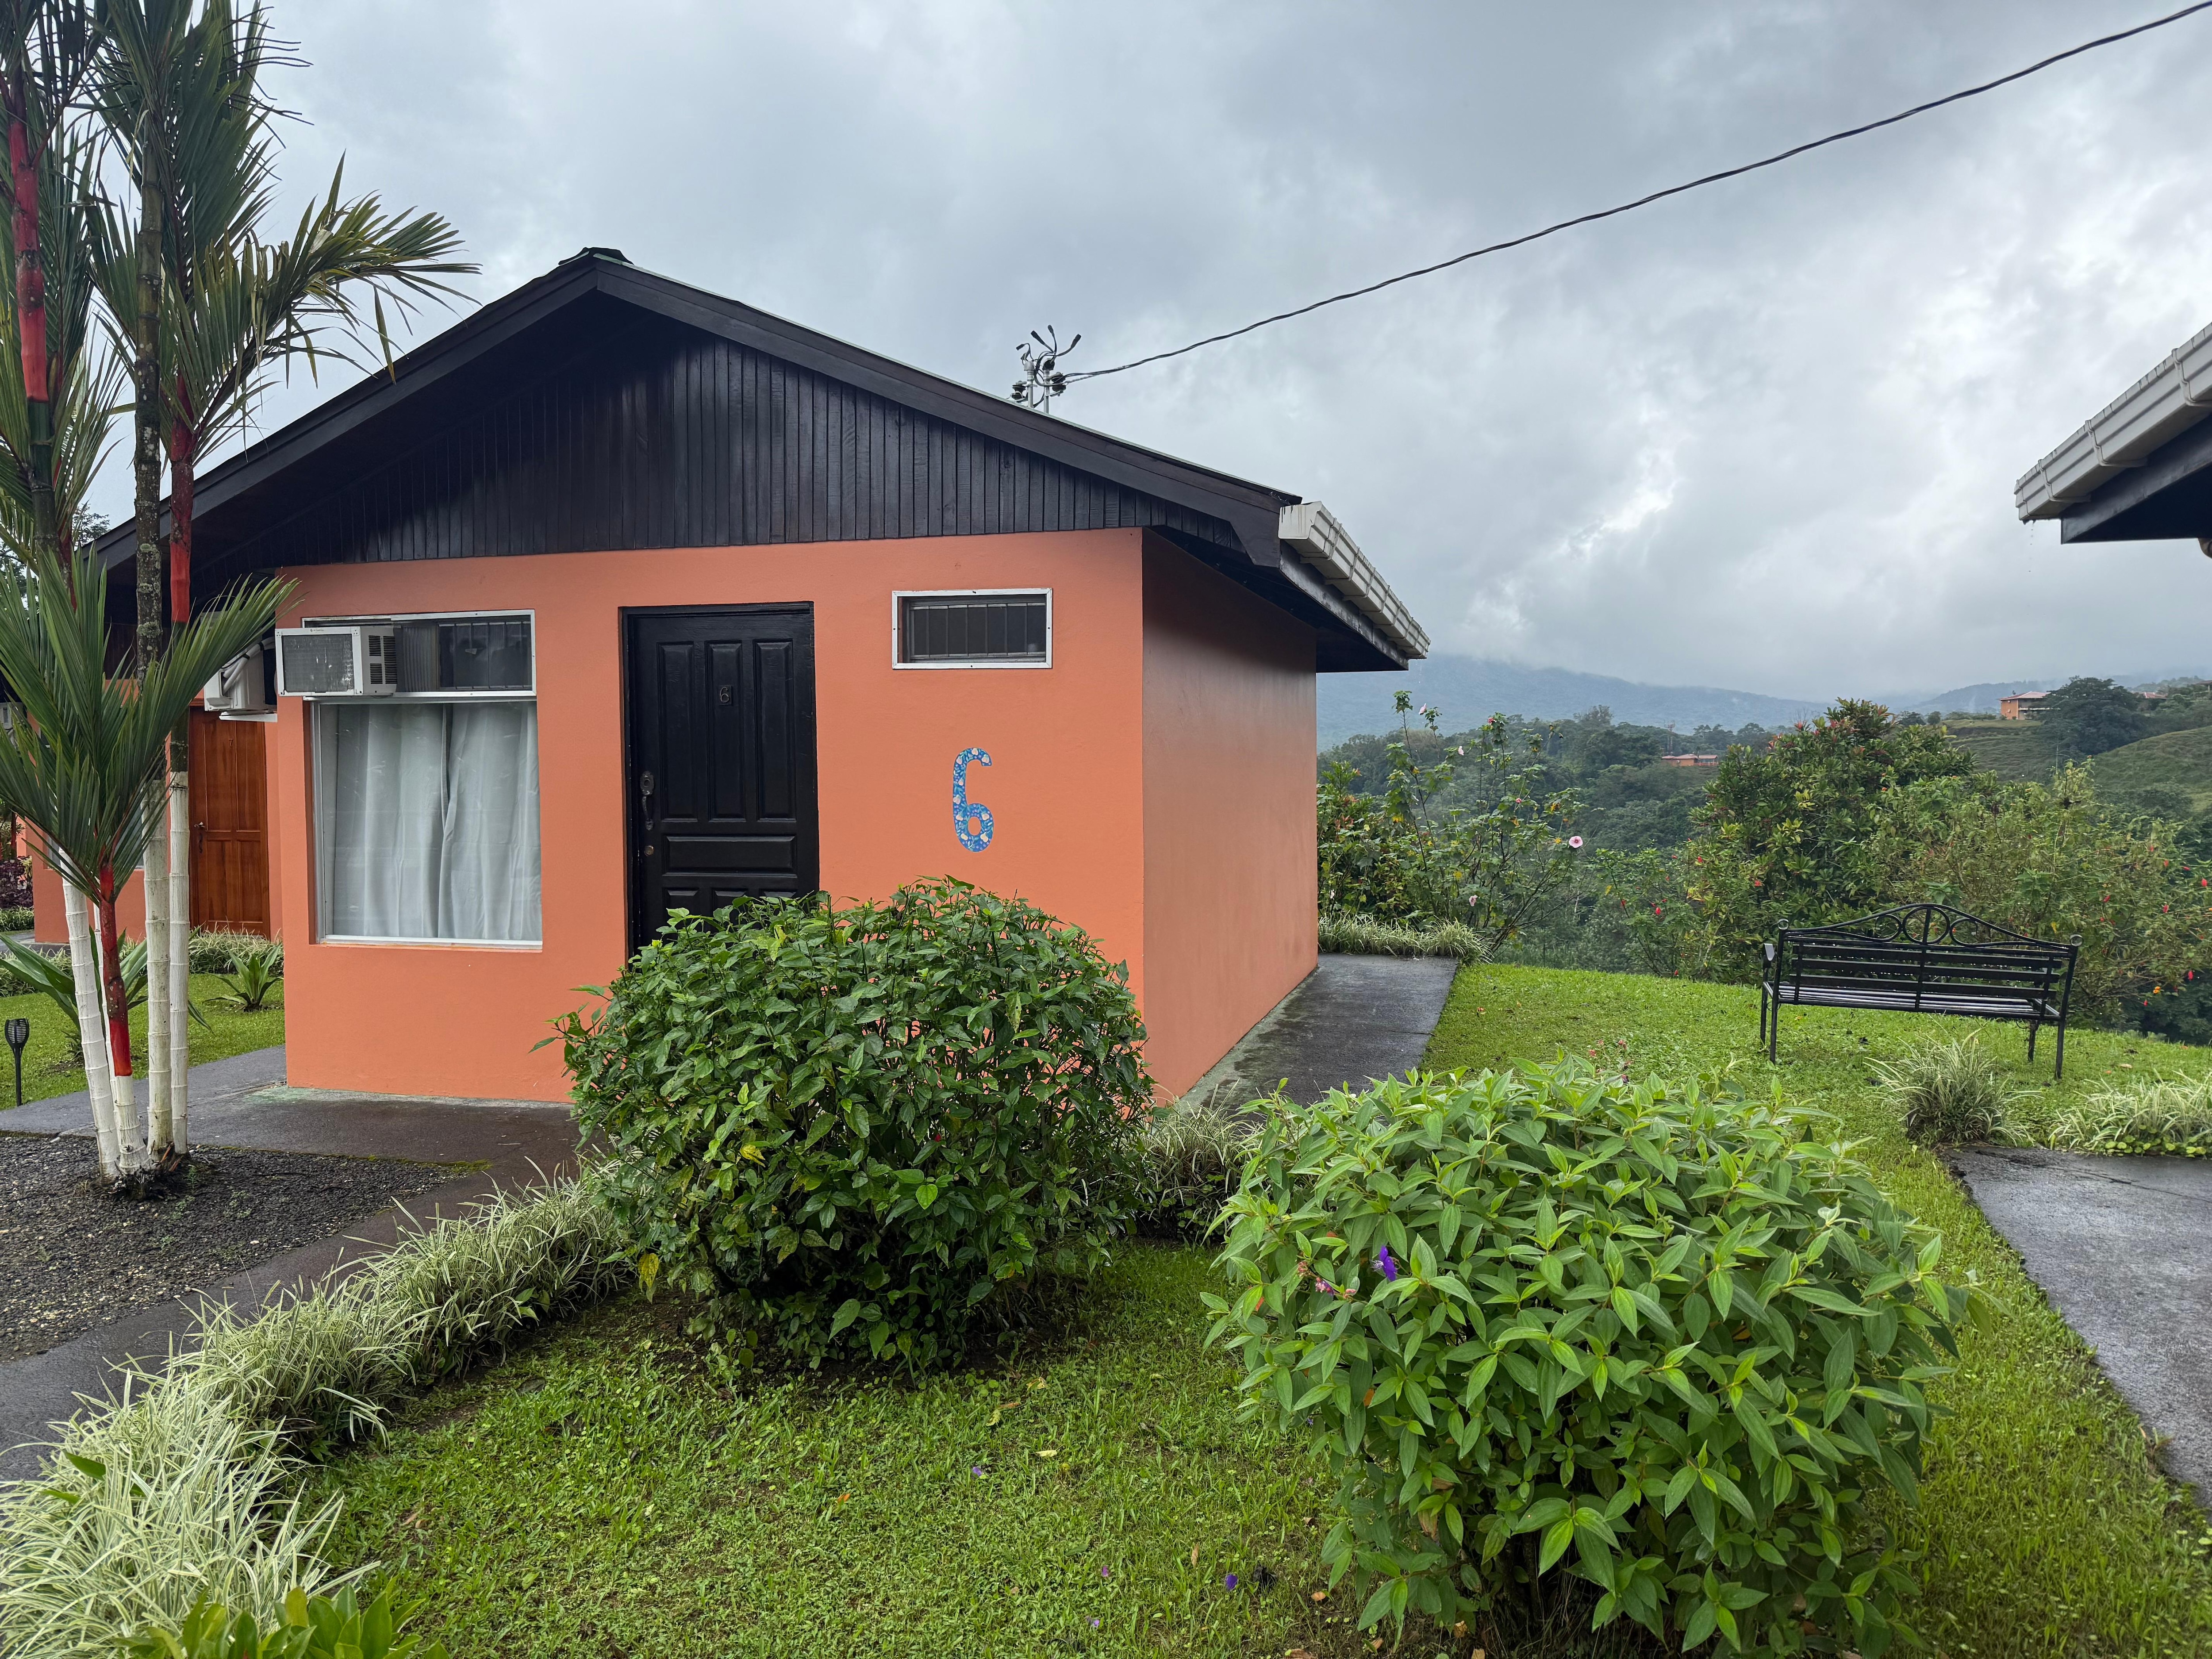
(1325,1289)
(1094,1624)
(1389,1267)
(1231,1581)
(975,1468)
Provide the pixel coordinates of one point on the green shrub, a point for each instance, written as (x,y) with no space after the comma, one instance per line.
(1950,1093)
(1190,1157)
(860,1128)
(1359,936)
(314,1627)
(16,918)
(1545,1316)
(256,975)
(210,951)
(2153,1115)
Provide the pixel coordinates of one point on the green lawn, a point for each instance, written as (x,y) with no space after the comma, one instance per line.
(2046,1529)
(599,1494)
(50,1063)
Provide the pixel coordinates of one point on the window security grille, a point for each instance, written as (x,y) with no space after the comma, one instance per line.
(980,628)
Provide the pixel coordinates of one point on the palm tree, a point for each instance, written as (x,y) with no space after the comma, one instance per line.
(46,50)
(85,770)
(181,98)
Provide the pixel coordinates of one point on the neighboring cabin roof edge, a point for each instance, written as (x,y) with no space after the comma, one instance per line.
(2160,407)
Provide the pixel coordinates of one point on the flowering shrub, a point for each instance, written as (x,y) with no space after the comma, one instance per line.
(1548,1323)
(858,1128)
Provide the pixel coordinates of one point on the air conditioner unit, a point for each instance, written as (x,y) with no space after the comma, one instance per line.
(337,662)
(240,687)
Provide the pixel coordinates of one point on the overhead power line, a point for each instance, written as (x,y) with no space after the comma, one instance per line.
(2036,68)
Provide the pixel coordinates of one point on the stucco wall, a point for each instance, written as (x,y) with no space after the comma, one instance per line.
(1230,883)
(1066,787)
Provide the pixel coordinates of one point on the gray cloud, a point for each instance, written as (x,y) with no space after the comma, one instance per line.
(1762,436)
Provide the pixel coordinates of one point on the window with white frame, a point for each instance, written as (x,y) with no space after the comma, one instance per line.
(980,628)
(426,801)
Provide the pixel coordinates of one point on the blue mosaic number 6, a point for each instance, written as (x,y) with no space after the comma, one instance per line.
(963,810)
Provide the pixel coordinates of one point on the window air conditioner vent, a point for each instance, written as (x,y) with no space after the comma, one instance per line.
(337,662)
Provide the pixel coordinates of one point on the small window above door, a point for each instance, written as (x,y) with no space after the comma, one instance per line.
(980,627)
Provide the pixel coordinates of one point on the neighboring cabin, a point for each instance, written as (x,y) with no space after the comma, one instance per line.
(620,597)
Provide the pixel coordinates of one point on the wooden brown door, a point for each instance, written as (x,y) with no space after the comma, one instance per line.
(230,825)
(721,754)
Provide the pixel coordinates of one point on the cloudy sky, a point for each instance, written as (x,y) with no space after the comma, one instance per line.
(1763,437)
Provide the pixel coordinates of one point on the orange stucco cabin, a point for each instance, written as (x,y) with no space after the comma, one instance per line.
(619,596)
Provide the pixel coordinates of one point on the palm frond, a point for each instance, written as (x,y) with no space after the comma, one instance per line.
(85,768)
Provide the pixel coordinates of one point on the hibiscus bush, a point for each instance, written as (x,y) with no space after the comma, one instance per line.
(1544,1322)
(859,1130)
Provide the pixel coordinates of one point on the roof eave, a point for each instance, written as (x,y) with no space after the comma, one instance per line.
(2157,409)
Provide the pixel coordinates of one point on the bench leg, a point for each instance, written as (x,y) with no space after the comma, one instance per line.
(1774,1034)
(2059,1075)
(1762,1014)
(2034,1026)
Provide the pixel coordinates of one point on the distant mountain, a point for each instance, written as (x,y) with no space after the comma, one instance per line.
(1982,699)
(1468,690)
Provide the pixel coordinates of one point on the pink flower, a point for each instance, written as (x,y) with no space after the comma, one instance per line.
(1574,840)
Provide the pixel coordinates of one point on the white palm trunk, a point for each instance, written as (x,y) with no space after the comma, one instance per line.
(180,971)
(159,1139)
(92,1033)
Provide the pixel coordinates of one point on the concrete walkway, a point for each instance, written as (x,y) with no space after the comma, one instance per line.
(2122,1247)
(1353,1020)
(243,1102)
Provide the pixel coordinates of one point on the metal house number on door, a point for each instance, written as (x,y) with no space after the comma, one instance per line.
(971,820)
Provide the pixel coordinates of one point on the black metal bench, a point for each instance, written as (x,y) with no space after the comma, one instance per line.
(1919,959)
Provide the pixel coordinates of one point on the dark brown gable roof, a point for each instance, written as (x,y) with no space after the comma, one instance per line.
(600,406)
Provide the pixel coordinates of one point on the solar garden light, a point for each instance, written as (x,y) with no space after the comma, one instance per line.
(19,1033)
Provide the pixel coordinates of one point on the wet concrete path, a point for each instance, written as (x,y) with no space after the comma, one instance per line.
(1353,1020)
(243,1101)
(2122,1247)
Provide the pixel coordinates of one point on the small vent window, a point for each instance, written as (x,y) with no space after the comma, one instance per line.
(979,630)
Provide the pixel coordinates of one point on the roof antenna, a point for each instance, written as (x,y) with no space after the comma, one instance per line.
(1042,378)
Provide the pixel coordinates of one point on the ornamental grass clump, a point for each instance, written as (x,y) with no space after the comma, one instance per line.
(1546,1323)
(1190,1157)
(2157,1115)
(863,1131)
(1950,1093)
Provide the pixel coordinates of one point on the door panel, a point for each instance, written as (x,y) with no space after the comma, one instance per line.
(230,825)
(722,787)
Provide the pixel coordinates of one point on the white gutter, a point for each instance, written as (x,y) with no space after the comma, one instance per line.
(2157,409)
(1313,532)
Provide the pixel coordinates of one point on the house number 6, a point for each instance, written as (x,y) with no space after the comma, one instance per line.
(971,820)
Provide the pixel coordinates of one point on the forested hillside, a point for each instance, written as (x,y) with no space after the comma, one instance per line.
(1576,843)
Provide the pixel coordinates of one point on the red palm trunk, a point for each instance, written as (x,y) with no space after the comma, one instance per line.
(111,962)
(30,270)
(30,277)
(184,446)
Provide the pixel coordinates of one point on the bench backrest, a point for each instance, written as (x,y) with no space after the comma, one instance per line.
(1912,950)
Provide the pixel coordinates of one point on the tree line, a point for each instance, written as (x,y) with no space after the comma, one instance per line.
(1817,823)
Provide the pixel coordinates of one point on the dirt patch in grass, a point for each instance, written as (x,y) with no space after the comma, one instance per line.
(71,1256)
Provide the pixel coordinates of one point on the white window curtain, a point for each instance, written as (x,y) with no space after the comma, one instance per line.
(426,821)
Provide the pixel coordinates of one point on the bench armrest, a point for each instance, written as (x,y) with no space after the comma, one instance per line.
(1769,948)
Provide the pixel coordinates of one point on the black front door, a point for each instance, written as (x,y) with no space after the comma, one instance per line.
(721,759)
